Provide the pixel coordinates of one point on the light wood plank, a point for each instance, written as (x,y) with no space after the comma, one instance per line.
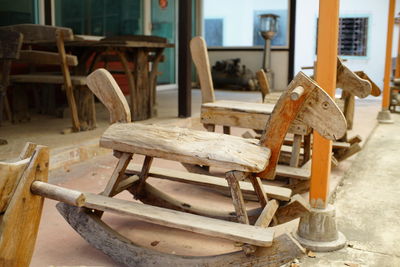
(188,146)
(20,222)
(46,78)
(46,58)
(297,207)
(267,214)
(103,85)
(184,221)
(124,251)
(276,192)
(198,49)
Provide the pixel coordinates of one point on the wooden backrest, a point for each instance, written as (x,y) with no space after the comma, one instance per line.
(10,44)
(198,49)
(305,101)
(263,82)
(35,33)
(376,91)
(103,85)
(350,82)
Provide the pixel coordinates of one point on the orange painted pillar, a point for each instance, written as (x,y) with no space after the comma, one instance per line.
(328,30)
(388,58)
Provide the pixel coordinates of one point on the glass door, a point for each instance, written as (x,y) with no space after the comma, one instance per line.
(163,21)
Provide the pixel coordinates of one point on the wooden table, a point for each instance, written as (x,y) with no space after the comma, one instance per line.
(142,79)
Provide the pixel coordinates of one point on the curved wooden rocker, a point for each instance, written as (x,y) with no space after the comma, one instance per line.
(247,162)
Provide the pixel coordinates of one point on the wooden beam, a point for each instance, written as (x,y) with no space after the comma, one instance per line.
(388,57)
(326,77)
(184,62)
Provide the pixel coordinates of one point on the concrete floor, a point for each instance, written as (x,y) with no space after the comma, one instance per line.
(371,230)
(367,205)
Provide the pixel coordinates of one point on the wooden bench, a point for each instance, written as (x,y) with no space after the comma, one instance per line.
(34,55)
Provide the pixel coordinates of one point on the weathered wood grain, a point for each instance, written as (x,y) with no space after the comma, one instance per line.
(185,145)
(35,33)
(276,192)
(46,78)
(267,214)
(198,49)
(103,85)
(180,220)
(124,251)
(45,58)
(10,44)
(71,197)
(375,91)
(10,174)
(20,221)
(351,82)
(297,207)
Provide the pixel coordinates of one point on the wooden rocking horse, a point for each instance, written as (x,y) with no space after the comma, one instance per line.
(247,161)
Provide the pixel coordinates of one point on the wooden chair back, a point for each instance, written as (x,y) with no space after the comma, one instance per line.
(35,35)
(10,45)
(198,49)
(263,83)
(304,101)
(104,86)
(18,234)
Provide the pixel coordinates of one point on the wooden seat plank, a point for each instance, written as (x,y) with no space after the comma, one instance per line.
(45,57)
(198,224)
(43,78)
(188,146)
(276,192)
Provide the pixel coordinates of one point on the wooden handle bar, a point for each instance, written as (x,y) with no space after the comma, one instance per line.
(296,93)
(71,197)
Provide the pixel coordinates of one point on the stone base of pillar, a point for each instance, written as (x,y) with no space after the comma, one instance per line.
(317,231)
(384,116)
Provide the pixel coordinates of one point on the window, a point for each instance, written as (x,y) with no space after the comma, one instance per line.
(100,17)
(353,36)
(18,11)
(235,23)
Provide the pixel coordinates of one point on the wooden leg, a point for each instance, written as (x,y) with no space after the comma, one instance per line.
(209,127)
(237,197)
(117,176)
(227,129)
(142,177)
(307,148)
(294,160)
(259,189)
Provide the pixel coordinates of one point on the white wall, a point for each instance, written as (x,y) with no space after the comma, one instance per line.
(377,10)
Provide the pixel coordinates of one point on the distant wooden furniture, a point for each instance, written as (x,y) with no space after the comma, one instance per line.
(10,44)
(247,161)
(254,115)
(34,35)
(20,210)
(144,52)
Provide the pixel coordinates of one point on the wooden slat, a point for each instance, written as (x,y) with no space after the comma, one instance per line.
(184,221)
(276,192)
(302,173)
(198,50)
(46,58)
(267,214)
(10,44)
(243,115)
(188,146)
(46,78)
(35,33)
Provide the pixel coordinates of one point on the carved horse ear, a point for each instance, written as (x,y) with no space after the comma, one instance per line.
(351,82)
(103,85)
